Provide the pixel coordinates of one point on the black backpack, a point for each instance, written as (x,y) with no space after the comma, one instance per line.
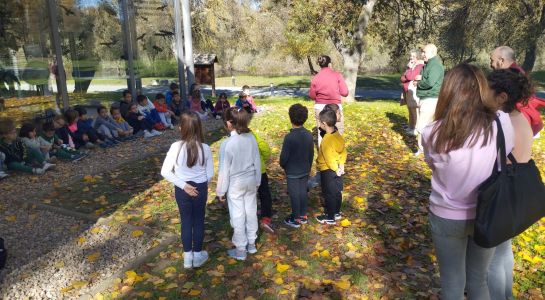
(3,254)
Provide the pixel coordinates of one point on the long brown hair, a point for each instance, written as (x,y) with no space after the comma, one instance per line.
(465,110)
(239,119)
(192,136)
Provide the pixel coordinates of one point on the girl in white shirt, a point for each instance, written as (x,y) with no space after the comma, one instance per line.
(188,165)
(239,177)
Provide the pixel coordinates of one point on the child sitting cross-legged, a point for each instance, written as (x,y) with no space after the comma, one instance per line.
(139,123)
(177,106)
(126,129)
(29,137)
(146,109)
(108,127)
(57,147)
(221,105)
(330,163)
(18,156)
(162,109)
(83,125)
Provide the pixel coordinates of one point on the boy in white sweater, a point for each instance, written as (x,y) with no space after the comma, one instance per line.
(239,177)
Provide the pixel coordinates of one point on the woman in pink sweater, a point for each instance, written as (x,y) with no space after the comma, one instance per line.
(460,149)
(413,69)
(327,87)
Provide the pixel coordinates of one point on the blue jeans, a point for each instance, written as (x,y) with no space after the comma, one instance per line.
(460,260)
(500,272)
(192,211)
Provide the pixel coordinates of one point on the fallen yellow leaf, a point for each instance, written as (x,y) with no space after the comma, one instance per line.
(93,257)
(324,253)
(137,233)
(343,285)
(301,263)
(282,268)
(171,286)
(279,280)
(11,218)
(345,223)
(194,292)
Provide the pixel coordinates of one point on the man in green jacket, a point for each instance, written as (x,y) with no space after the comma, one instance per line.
(428,85)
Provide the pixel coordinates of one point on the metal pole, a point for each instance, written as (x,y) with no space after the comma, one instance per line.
(56,42)
(180,48)
(134,46)
(127,41)
(188,42)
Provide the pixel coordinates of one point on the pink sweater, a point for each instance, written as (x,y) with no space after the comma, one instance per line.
(409,76)
(327,87)
(458,174)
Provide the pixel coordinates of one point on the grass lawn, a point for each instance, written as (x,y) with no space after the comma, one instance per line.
(382,247)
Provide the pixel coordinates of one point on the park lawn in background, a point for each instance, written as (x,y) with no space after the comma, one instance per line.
(381,248)
(539,78)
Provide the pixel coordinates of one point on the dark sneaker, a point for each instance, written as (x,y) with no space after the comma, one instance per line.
(338,216)
(292,222)
(303,219)
(323,219)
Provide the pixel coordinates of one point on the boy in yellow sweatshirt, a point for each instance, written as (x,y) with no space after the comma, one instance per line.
(330,162)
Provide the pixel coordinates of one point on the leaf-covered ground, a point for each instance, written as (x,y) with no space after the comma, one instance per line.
(381,249)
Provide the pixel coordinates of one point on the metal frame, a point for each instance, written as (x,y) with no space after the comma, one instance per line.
(180,49)
(128,45)
(56,43)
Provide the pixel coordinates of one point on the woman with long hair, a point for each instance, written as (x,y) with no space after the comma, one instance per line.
(189,166)
(460,148)
(511,89)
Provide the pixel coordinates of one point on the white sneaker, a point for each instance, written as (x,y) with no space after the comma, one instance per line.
(188,260)
(199,258)
(237,254)
(170,126)
(3,175)
(38,171)
(252,249)
(48,166)
(418,153)
(148,134)
(155,132)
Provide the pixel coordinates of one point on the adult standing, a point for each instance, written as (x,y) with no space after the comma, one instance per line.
(327,87)
(460,149)
(428,86)
(503,57)
(414,67)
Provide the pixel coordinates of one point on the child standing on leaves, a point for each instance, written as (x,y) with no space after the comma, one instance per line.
(296,160)
(263,191)
(239,177)
(189,166)
(330,163)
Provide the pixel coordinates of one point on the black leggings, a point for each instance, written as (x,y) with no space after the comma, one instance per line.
(332,186)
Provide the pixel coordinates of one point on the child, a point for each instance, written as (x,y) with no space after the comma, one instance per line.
(162,109)
(28,136)
(18,156)
(189,166)
(315,181)
(239,176)
(170,93)
(3,174)
(330,162)
(177,106)
(243,103)
(146,108)
(263,191)
(125,102)
(221,105)
(126,130)
(106,125)
(139,123)
(85,126)
(56,146)
(249,97)
(296,160)
(195,104)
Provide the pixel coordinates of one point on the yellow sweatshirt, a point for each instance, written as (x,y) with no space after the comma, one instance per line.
(332,152)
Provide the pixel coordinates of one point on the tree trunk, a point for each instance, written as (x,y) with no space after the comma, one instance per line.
(311,66)
(530,56)
(351,66)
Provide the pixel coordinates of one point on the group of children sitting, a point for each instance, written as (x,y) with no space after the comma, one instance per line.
(35,149)
(242,177)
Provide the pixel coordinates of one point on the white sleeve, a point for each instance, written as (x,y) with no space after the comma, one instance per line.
(257,161)
(209,163)
(167,171)
(225,159)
